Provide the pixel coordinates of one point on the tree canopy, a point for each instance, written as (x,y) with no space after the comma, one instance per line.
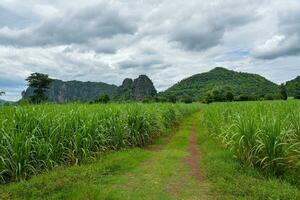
(283,92)
(197,86)
(40,82)
(103,99)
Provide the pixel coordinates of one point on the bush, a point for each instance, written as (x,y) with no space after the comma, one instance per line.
(242,98)
(147,99)
(297,96)
(103,99)
(207,99)
(229,96)
(269,97)
(283,92)
(187,99)
(172,99)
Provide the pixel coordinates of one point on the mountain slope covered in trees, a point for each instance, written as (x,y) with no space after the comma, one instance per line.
(238,83)
(219,81)
(293,87)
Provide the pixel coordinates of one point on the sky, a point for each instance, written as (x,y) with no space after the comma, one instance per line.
(168,40)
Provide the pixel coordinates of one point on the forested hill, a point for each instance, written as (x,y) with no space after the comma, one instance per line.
(69,91)
(239,83)
(293,87)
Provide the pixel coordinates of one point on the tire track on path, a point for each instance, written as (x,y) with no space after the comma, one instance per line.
(194,156)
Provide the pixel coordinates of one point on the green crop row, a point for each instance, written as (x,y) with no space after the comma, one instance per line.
(265,135)
(38,138)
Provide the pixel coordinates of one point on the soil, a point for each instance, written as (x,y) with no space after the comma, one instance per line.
(194,156)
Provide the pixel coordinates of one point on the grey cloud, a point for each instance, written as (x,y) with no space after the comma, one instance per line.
(7,82)
(13,20)
(205,28)
(103,45)
(12,86)
(198,40)
(84,26)
(165,39)
(140,63)
(286,41)
(287,46)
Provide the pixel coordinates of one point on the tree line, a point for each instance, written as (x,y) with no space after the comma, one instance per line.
(40,84)
(225,95)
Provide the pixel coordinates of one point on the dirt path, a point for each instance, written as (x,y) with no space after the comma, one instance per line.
(166,170)
(173,171)
(194,155)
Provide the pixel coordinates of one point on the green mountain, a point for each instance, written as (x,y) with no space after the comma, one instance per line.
(293,87)
(69,91)
(138,89)
(4,102)
(239,83)
(142,88)
(59,91)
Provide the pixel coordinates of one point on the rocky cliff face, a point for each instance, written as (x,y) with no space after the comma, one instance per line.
(69,91)
(143,88)
(137,89)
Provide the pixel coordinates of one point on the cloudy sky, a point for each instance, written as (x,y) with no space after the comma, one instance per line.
(166,39)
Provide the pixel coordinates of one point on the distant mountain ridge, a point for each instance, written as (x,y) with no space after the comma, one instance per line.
(240,83)
(4,102)
(141,88)
(69,91)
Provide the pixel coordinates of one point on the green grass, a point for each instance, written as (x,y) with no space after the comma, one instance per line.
(128,174)
(265,135)
(230,179)
(34,138)
(138,173)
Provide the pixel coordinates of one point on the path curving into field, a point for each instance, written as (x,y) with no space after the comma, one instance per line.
(169,169)
(174,171)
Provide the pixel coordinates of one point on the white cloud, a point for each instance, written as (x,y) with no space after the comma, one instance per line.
(286,38)
(168,40)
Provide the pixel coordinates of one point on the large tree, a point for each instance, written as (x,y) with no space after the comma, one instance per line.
(103,99)
(40,83)
(283,93)
(2,93)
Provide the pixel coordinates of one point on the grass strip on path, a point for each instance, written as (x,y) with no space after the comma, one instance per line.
(130,174)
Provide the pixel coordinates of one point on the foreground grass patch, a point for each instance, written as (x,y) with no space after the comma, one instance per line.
(131,174)
(265,135)
(37,138)
(156,174)
(77,181)
(229,179)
